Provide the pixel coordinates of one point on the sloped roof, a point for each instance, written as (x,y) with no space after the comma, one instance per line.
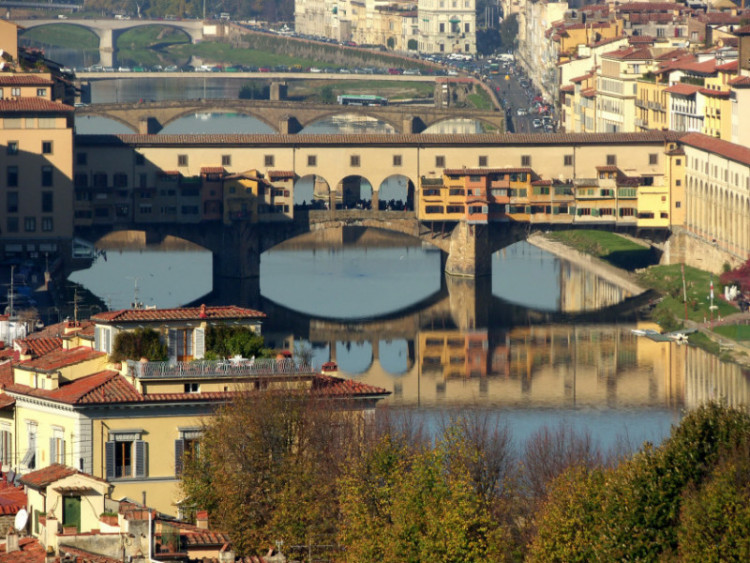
(38,346)
(37,105)
(279,174)
(41,478)
(177,314)
(683,89)
(24,79)
(212,169)
(59,359)
(30,551)
(728,150)
(483,171)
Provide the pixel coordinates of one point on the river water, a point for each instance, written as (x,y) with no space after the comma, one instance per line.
(385,313)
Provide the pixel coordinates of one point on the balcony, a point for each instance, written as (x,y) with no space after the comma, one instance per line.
(235,367)
(640,103)
(641,123)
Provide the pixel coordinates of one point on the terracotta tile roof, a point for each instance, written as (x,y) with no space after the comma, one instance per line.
(335,386)
(24,80)
(740,82)
(31,551)
(650,7)
(280,174)
(12,498)
(82,556)
(581,78)
(728,150)
(568,88)
(212,169)
(744,30)
(272,140)
(205,538)
(41,478)
(36,105)
(609,168)
(38,346)
(715,93)
(683,89)
(6,372)
(641,39)
(177,314)
(706,67)
(61,358)
(630,53)
(588,93)
(6,401)
(483,171)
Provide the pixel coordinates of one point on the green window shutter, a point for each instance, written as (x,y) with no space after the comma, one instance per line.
(140,458)
(109,457)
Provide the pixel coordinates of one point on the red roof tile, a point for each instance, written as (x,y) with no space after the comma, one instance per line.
(568,88)
(651,7)
(83,556)
(335,386)
(6,372)
(12,498)
(731,65)
(41,478)
(24,80)
(38,346)
(728,150)
(212,170)
(740,82)
(177,314)
(483,171)
(31,551)
(683,89)
(61,358)
(281,174)
(6,401)
(35,105)
(715,93)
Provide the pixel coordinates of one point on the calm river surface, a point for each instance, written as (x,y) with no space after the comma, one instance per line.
(387,316)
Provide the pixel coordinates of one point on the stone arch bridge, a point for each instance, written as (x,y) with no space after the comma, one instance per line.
(282,116)
(109,30)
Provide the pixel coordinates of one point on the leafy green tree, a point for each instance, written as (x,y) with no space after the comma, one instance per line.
(137,344)
(224,341)
(327,96)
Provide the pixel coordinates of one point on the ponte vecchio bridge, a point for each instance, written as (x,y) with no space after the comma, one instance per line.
(283,116)
(120,174)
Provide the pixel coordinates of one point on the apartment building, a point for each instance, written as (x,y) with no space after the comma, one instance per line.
(717,174)
(427,26)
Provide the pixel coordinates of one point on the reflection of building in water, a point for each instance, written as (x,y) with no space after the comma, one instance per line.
(710,379)
(584,290)
(545,366)
(352,123)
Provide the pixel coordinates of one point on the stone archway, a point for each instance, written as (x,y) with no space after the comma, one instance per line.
(312,192)
(354,192)
(396,192)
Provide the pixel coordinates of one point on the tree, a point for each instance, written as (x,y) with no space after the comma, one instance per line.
(268,468)
(137,344)
(223,341)
(327,96)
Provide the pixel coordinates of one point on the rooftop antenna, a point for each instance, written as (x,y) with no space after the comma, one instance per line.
(135,304)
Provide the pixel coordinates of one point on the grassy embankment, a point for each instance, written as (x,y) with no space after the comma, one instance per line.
(667,280)
(60,35)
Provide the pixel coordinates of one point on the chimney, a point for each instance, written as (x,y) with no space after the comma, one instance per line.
(11,541)
(201,519)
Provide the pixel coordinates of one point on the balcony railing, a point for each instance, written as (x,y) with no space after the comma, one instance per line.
(217,368)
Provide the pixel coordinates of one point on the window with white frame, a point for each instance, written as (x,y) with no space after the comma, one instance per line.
(29,458)
(103,339)
(6,445)
(57,445)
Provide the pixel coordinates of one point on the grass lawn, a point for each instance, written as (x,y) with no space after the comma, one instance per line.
(606,245)
(735,332)
(146,37)
(62,35)
(480,99)
(668,281)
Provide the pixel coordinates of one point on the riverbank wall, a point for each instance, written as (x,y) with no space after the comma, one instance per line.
(612,274)
(685,247)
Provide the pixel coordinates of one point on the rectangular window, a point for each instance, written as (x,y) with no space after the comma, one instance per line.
(6,446)
(12,224)
(47,202)
(568,160)
(47,224)
(12,177)
(611,160)
(440,161)
(46,147)
(15,91)
(397,160)
(29,224)
(81,158)
(312,160)
(29,459)
(182,160)
(12,202)
(41,91)
(47,176)
(125,456)
(226,160)
(120,180)
(57,446)
(268,160)
(354,160)
(186,448)
(12,148)
(526,160)
(482,161)
(653,158)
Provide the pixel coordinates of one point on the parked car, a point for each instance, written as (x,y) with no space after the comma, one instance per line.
(537,123)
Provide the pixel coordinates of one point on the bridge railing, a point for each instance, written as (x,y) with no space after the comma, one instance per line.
(217,368)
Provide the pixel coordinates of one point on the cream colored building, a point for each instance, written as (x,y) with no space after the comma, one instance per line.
(718,192)
(36,144)
(617,88)
(447,26)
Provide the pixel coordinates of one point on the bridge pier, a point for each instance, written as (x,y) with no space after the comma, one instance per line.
(469,300)
(149,126)
(288,125)
(470,254)
(412,125)
(278,91)
(238,252)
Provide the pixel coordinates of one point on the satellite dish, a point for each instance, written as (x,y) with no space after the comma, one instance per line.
(21,518)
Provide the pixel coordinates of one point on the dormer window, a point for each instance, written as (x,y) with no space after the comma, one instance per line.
(192,388)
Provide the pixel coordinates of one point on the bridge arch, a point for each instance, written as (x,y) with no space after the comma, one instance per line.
(353,192)
(312,192)
(396,189)
(464,128)
(342,111)
(393,350)
(60,23)
(348,361)
(114,118)
(210,108)
(117,34)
